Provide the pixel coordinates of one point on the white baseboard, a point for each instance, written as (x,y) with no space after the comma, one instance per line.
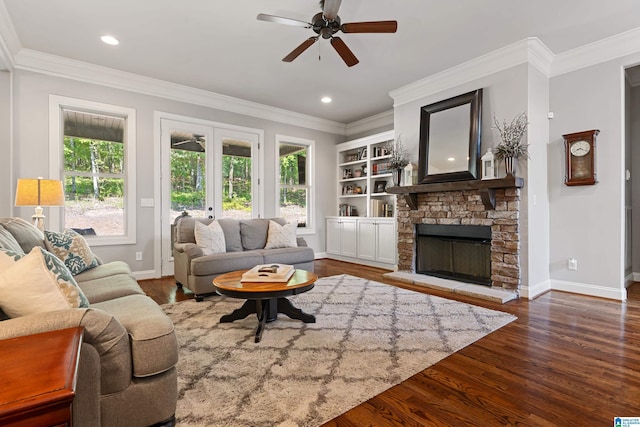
(636,277)
(145,274)
(534,291)
(320,255)
(591,290)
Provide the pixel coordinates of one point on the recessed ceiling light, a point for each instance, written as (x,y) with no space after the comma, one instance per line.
(326,99)
(451,159)
(110,40)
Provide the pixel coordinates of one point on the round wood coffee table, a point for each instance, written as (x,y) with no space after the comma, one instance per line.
(265,299)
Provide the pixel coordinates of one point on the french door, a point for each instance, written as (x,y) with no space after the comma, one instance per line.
(209,171)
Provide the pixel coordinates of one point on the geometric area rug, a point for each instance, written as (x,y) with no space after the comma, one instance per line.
(368,337)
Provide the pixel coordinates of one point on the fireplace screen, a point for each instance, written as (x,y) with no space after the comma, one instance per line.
(459,252)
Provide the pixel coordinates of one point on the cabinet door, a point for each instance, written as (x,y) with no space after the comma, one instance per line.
(349,238)
(386,241)
(333,236)
(367,240)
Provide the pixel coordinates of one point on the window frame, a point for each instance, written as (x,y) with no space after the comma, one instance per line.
(56,161)
(310,176)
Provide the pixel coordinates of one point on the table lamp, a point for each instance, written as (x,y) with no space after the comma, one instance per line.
(39,192)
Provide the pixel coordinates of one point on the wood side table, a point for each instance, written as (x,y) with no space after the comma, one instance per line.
(38,377)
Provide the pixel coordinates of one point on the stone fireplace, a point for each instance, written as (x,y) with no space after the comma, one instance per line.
(494,204)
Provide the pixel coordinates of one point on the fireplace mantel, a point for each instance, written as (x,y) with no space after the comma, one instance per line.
(486,188)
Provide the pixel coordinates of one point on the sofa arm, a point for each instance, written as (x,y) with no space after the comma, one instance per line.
(301,242)
(101,330)
(189,249)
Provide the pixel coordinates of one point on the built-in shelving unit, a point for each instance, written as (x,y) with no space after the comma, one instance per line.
(363,177)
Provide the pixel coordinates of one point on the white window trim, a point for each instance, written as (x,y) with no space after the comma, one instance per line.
(311,148)
(56,104)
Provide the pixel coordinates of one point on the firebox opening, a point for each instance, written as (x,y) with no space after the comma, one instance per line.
(459,252)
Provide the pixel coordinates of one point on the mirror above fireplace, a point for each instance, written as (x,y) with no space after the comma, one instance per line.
(450,132)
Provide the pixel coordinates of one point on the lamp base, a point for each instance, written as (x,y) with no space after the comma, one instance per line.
(38,219)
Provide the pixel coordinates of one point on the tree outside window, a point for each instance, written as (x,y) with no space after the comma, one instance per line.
(295,180)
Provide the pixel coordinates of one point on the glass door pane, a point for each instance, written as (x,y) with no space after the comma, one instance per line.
(238,174)
(188,180)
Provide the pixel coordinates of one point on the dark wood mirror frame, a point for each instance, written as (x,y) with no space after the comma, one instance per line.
(475,128)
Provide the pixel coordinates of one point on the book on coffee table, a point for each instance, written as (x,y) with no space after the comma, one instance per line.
(268,273)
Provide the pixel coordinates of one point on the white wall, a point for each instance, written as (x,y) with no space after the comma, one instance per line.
(6,201)
(31,146)
(635,176)
(587,222)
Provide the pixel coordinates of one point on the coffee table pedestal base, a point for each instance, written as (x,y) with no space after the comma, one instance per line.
(267,311)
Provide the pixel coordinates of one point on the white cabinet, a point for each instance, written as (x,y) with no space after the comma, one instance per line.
(369,241)
(342,237)
(377,240)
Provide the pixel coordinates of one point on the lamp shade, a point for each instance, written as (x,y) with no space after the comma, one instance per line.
(39,192)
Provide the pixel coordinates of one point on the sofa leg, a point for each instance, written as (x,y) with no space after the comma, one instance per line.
(171,422)
(199,298)
(178,284)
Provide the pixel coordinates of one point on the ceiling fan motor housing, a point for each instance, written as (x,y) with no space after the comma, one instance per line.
(325,28)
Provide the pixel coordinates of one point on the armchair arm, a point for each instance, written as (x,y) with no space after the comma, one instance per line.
(190,249)
(301,241)
(101,330)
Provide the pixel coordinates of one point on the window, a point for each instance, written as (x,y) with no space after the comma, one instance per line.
(295,160)
(95,147)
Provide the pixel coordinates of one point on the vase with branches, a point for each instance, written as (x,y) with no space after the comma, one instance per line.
(398,158)
(511,147)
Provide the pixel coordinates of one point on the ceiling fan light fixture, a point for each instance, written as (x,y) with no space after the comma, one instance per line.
(326,99)
(110,40)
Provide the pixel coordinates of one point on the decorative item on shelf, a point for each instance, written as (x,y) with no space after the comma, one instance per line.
(580,157)
(347,174)
(357,173)
(347,210)
(489,165)
(39,192)
(411,174)
(357,190)
(352,157)
(398,159)
(511,148)
(364,170)
(363,154)
(381,187)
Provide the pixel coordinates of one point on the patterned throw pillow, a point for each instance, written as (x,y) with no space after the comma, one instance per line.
(210,238)
(38,282)
(282,236)
(71,248)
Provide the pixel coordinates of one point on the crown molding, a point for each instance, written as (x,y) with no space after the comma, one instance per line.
(530,50)
(369,123)
(9,41)
(31,60)
(607,49)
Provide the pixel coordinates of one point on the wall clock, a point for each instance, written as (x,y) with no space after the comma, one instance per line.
(580,155)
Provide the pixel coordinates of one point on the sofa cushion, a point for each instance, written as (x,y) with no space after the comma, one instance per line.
(104,270)
(223,263)
(287,255)
(72,249)
(25,233)
(231,228)
(110,287)
(38,282)
(281,236)
(253,232)
(210,238)
(154,347)
(7,241)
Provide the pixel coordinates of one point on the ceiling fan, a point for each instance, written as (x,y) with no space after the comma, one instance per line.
(327,23)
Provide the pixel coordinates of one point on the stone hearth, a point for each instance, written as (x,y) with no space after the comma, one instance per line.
(466,207)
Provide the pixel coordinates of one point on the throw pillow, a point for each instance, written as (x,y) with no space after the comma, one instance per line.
(38,282)
(7,241)
(210,238)
(72,249)
(8,258)
(282,236)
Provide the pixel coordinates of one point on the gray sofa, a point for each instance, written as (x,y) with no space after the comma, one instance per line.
(126,373)
(245,241)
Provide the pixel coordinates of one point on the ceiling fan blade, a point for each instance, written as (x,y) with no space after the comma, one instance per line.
(370,27)
(330,9)
(297,51)
(345,53)
(281,20)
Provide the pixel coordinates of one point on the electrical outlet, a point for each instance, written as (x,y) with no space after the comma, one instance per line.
(138,256)
(572,264)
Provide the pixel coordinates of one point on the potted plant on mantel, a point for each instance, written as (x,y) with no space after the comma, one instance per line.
(511,148)
(398,159)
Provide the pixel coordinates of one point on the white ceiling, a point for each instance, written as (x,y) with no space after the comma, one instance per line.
(219,45)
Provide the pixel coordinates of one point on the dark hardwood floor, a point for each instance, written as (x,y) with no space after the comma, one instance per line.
(568,360)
